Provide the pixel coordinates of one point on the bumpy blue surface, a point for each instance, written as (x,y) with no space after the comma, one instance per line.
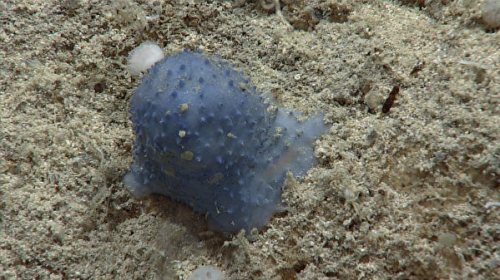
(204,137)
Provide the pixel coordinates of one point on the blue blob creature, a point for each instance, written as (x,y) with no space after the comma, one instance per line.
(206,138)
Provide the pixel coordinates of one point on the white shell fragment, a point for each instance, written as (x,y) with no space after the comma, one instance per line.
(143,57)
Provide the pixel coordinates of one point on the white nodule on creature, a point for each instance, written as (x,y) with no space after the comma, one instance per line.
(143,57)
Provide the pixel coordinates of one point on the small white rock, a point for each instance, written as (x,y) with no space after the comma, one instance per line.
(143,57)
(373,100)
(207,273)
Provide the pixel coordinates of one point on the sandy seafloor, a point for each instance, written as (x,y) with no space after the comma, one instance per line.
(394,196)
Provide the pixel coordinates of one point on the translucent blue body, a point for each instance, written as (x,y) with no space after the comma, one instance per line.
(205,138)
